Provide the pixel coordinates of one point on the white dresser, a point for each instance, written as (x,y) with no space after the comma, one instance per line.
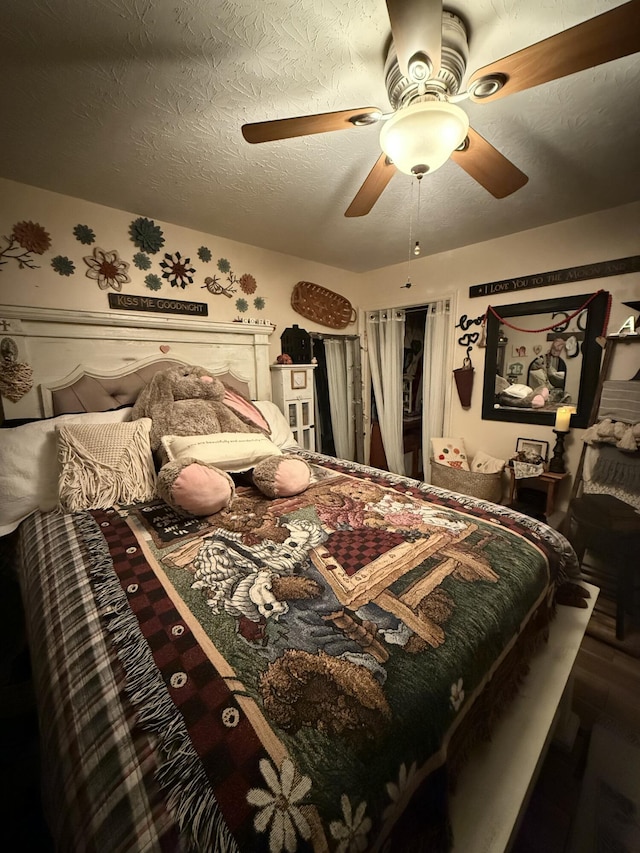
(293,392)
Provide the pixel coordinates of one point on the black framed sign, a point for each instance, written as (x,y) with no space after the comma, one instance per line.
(157,304)
(619,266)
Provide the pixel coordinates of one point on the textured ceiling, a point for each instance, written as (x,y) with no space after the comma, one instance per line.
(138,104)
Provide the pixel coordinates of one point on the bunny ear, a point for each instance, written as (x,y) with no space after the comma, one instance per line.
(158,391)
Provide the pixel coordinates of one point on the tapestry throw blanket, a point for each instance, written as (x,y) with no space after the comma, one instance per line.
(308,664)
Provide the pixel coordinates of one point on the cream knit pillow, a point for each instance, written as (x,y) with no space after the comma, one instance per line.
(104,464)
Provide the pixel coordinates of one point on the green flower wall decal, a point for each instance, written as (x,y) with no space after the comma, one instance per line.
(63,265)
(84,234)
(242,305)
(204,254)
(153,282)
(146,235)
(142,261)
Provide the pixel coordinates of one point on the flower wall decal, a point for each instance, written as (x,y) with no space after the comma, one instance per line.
(146,235)
(63,265)
(242,305)
(107,268)
(204,254)
(153,282)
(84,234)
(259,303)
(26,239)
(142,261)
(177,270)
(247,283)
(224,265)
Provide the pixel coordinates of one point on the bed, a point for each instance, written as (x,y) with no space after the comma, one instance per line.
(308,673)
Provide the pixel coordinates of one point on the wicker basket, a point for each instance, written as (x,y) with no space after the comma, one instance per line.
(321,305)
(487,487)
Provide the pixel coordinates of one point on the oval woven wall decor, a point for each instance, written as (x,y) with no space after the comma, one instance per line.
(321,305)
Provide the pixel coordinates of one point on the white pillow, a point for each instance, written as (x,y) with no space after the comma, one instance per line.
(281,434)
(485,464)
(450,452)
(229,451)
(29,465)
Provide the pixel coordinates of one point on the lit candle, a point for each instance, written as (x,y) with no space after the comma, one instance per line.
(563,416)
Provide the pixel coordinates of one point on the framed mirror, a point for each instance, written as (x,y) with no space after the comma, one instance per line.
(543,355)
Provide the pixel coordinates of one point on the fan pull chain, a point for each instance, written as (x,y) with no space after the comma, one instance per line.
(416,248)
(408,282)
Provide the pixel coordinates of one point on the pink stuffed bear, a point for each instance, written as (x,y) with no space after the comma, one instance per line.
(189,401)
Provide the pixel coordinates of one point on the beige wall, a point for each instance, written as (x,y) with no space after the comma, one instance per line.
(275,274)
(589,239)
(598,237)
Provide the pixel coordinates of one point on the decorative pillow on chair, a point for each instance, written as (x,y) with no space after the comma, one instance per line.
(450,452)
(105,464)
(485,464)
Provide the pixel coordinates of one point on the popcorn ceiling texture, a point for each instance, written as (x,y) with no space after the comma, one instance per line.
(138,105)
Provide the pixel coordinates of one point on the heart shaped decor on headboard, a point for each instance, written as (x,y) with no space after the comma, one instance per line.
(164,348)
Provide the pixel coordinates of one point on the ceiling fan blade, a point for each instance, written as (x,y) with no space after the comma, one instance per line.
(372,188)
(287,128)
(416,27)
(489,167)
(606,37)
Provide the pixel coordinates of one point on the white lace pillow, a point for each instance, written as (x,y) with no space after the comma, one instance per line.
(229,451)
(450,452)
(105,464)
(485,464)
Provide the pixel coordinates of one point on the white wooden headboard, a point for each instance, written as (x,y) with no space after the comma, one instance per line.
(57,343)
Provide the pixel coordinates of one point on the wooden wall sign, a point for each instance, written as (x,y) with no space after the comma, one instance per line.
(157,304)
(619,266)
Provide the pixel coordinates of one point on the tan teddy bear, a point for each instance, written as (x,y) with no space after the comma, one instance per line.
(189,401)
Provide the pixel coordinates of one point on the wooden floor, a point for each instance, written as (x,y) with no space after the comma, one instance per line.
(606,687)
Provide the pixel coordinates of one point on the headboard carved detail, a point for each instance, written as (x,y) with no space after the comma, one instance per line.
(96,352)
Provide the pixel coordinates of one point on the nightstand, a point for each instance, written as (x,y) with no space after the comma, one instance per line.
(293,392)
(547,482)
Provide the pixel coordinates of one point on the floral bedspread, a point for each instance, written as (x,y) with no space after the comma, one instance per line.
(315,667)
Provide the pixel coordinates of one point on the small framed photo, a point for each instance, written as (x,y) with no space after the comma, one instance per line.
(298,379)
(533,445)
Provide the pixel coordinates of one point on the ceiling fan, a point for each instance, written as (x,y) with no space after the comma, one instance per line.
(425,66)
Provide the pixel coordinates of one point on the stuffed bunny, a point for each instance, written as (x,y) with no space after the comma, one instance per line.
(189,401)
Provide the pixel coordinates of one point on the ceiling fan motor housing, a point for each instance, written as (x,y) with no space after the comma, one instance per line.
(455,50)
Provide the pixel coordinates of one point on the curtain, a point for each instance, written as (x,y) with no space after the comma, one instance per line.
(340,379)
(434,376)
(385,333)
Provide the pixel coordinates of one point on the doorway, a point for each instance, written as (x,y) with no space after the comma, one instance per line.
(338,383)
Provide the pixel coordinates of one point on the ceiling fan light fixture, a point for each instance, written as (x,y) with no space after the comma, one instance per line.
(422,136)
